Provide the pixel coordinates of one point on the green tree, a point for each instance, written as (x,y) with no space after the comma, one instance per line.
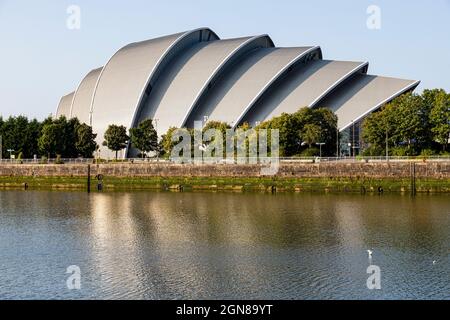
(85,143)
(50,142)
(116,138)
(144,137)
(288,126)
(378,127)
(440,117)
(222,127)
(405,123)
(311,134)
(32,136)
(2,133)
(14,134)
(166,144)
(327,121)
(291,126)
(409,110)
(58,137)
(20,134)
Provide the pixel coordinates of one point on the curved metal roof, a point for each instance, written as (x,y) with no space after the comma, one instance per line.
(81,103)
(128,76)
(64,106)
(189,76)
(250,79)
(303,87)
(362,95)
(253,43)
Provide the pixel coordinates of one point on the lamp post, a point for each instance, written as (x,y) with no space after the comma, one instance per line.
(10,152)
(387,145)
(337,142)
(155,120)
(353,138)
(320,144)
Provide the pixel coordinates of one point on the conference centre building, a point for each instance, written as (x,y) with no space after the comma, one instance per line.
(196,76)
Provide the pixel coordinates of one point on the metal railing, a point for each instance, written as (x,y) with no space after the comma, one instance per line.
(248,160)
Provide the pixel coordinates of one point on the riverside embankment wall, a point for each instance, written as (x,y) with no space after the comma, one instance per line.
(429,170)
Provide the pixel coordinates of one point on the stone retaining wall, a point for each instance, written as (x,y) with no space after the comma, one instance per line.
(437,170)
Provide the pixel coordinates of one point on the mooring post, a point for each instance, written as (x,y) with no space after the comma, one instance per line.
(412,174)
(89,178)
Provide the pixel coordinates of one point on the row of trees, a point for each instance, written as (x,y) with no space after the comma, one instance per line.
(68,138)
(411,124)
(299,132)
(144,138)
(51,137)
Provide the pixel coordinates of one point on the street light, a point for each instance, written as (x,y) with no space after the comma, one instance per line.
(10,152)
(353,137)
(337,142)
(320,144)
(155,120)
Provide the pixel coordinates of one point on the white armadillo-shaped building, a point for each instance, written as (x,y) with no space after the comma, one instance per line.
(194,75)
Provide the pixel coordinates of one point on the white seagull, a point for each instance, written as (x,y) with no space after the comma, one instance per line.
(434,261)
(369,252)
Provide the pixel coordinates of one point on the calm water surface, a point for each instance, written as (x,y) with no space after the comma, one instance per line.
(146,245)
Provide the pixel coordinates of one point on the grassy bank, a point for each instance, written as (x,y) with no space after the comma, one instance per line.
(266,184)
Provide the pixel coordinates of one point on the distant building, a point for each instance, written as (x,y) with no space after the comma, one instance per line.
(195,76)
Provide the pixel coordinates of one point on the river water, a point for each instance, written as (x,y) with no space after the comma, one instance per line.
(161,245)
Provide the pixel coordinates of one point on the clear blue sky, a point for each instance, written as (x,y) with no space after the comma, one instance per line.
(41,59)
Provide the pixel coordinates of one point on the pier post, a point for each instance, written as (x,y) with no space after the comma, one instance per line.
(89,178)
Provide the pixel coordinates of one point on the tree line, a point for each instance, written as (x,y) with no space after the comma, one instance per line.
(50,138)
(299,133)
(410,125)
(68,138)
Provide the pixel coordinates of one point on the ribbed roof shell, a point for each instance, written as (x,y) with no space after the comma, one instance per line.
(193,75)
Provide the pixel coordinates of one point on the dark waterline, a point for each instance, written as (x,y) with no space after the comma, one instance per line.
(145,245)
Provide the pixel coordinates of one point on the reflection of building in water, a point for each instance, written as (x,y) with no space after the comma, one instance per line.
(349,223)
(116,248)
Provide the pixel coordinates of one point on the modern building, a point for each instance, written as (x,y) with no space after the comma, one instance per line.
(196,76)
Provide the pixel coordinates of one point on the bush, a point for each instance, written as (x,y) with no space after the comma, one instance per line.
(310,152)
(426,153)
(43,160)
(400,151)
(374,151)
